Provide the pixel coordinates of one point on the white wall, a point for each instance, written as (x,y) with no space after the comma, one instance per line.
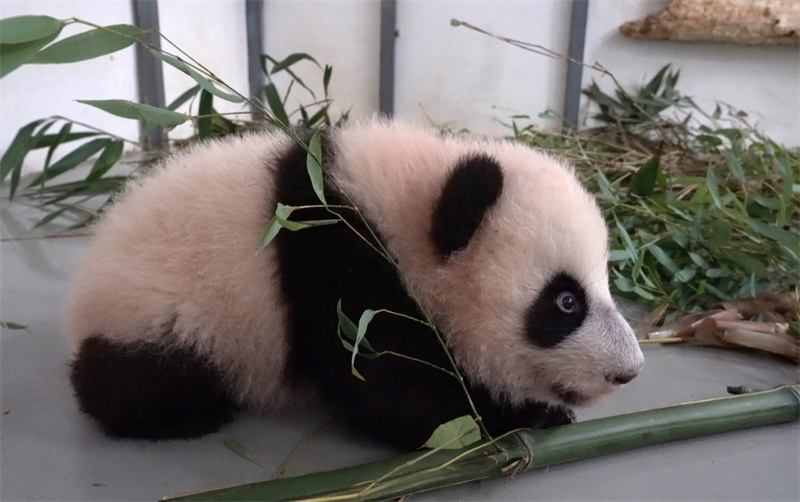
(455,76)
(343,34)
(463,79)
(37,91)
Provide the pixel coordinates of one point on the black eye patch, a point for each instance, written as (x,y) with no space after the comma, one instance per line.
(558,311)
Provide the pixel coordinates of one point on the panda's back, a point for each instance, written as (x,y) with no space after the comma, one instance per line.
(173,262)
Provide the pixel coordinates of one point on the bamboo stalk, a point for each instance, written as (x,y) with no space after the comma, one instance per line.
(525,450)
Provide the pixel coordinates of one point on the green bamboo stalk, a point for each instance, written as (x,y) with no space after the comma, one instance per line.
(525,450)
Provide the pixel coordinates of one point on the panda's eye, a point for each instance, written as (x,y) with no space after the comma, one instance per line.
(567,302)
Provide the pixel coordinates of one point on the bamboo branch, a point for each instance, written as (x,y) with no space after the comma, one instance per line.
(524,450)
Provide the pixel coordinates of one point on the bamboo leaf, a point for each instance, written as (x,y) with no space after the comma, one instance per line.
(734,164)
(292,226)
(709,140)
(678,236)
(275,224)
(295,78)
(275,104)
(240,450)
(290,60)
(716,273)
(83,188)
(204,111)
(23,29)
(137,111)
(605,186)
(643,293)
(110,155)
(643,181)
(89,44)
(348,327)
(15,153)
(326,78)
(663,258)
(363,323)
(618,255)
(720,233)
(321,115)
(12,56)
(713,187)
(745,261)
(697,259)
(183,98)
(281,220)
(11,325)
(16,173)
(51,216)
(204,82)
(62,134)
(685,274)
(772,232)
(629,247)
(47,140)
(654,84)
(455,434)
(347,331)
(314,166)
(268,234)
(71,160)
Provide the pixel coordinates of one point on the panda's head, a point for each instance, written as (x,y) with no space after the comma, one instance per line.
(520,282)
(505,249)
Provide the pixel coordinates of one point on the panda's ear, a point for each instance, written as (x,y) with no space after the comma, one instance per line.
(474,185)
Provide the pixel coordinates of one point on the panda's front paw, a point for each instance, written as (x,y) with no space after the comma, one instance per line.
(558,416)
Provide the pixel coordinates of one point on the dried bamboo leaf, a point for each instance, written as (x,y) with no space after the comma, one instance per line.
(768,306)
(763,341)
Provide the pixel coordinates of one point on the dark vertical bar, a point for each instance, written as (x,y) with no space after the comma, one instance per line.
(386,76)
(254,20)
(149,73)
(577,42)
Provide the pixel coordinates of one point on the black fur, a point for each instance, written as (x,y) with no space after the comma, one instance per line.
(473,187)
(547,324)
(145,390)
(401,401)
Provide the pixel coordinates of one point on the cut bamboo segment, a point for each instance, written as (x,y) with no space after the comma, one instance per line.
(524,450)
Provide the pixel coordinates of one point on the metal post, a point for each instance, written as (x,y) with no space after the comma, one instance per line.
(149,73)
(577,42)
(387,44)
(254,20)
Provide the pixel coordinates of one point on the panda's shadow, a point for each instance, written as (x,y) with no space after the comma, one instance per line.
(300,441)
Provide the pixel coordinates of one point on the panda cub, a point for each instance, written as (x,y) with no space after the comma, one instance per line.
(176,323)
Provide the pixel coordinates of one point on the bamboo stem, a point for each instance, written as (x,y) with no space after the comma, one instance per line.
(525,450)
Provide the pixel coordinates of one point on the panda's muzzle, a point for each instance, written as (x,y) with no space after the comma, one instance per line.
(621,379)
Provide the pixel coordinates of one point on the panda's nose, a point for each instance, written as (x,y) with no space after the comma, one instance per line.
(620,379)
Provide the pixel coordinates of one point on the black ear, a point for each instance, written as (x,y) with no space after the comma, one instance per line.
(472,188)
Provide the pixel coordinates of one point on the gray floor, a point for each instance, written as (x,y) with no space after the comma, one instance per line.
(50,452)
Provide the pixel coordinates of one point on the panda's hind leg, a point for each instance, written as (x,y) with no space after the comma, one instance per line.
(149,390)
